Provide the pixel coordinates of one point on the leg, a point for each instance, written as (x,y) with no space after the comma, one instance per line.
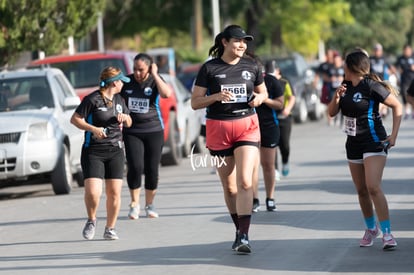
(93,192)
(256,201)
(244,156)
(134,150)
(284,143)
(227,174)
(374,167)
(153,144)
(358,177)
(113,189)
(267,160)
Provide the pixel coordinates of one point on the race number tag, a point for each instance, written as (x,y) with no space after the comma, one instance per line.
(138,105)
(238,91)
(350,126)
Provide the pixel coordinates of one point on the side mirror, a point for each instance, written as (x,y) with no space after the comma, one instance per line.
(71,102)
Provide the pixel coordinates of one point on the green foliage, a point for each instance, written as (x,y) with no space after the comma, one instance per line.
(388,22)
(45,25)
(302,24)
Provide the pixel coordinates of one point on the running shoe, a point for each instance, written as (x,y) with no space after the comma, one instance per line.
(242,245)
(285,169)
(369,237)
(277,175)
(256,205)
(388,242)
(150,210)
(89,229)
(133,213)
(110,234)
(270,205)
(233,247)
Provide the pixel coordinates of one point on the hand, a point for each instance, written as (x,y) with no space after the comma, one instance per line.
(340,91)
(224,95)
(153,69)
(257,100)
(121,117)
(99,132)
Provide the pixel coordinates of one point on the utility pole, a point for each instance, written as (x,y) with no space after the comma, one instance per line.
(198,24)
(216,17)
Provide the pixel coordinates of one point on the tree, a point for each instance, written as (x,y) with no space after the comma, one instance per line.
(43,25)
(300,25)
(388,22)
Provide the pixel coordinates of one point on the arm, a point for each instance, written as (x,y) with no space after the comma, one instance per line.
(199,99)
(275,103)
(333,106)
(163,88)
(260,95)
(125,119)
(288,109)
(392,102)
(291,99)
(80,122)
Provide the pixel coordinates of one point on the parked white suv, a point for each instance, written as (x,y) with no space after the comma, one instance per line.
(37,140)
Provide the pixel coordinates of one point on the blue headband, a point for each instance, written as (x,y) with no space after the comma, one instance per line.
(119,76)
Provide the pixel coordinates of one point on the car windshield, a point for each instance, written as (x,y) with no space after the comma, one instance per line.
(288,67)
(85,73)
(25,93)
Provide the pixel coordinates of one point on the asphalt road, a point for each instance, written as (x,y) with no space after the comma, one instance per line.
(315,230)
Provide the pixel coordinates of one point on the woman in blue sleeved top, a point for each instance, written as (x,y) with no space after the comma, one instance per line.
(367,143)
(102,115)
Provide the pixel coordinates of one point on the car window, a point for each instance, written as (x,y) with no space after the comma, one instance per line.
(85,73)
(25,93)
(67,92)
(288,67)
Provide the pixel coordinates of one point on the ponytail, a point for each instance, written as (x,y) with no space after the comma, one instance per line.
(386,84)
(217,49)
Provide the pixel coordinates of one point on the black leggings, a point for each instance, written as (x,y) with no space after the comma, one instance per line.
(285,126)
(140,149)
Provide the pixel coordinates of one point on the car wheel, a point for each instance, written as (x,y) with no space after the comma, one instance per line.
(62,174)
(187,142)
(200,145)
(318,113)
(303,112)
(174,154)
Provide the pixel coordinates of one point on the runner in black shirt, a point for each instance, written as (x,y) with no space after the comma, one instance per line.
(269,134)
(145,139)
(230,86)
(102,115)
(405,64)
(367,144)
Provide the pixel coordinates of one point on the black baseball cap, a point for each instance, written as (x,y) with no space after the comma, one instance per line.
(235,31)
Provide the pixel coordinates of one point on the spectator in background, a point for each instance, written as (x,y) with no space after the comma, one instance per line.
(323,73)
(336,76)
(405,65)
(379,65)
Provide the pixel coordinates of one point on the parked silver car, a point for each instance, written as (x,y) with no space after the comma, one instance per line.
(188,120)
(37,141)
(307,104)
